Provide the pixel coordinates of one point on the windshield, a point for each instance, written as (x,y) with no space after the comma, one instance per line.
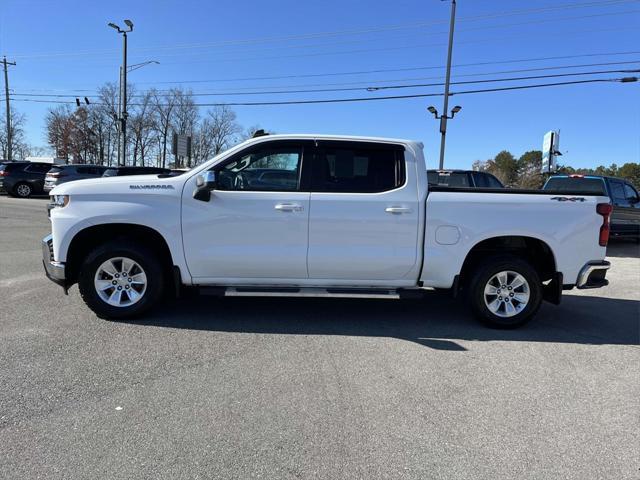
(593,185)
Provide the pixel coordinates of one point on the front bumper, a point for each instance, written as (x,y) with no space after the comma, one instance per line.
(593,274)
(55,271)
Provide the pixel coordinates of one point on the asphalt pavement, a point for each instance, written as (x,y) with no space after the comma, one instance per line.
(312,388)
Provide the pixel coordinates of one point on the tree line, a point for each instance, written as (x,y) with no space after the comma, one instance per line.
(524,172)
(89,133)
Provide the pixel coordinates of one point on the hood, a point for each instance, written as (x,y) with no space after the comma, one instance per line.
(119,185)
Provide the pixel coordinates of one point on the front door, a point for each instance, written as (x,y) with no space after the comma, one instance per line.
(363,224)
(255,226)
(625,218)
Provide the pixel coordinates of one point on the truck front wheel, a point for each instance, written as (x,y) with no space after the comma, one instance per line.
(505,292)
(120,279)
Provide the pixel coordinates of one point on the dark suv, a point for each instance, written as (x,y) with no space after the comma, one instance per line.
(120,171)
(463,178)
(23,179)
(67,173)
(625,218)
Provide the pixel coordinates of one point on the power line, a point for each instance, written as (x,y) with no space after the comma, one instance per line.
(364,87)
(407,69)
(391,97)
(363,84)
(357,31)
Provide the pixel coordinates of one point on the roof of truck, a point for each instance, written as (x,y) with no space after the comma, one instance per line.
(316,136)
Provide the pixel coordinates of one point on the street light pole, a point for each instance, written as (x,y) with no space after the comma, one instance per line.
(445,108)
(122,138)
(123,135)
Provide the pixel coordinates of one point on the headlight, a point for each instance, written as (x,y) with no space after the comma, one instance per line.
(60,200)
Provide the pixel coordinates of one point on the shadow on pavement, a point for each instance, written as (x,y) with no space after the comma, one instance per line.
(623,248)
(435,322)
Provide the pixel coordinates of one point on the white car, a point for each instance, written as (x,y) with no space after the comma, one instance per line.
(310,215)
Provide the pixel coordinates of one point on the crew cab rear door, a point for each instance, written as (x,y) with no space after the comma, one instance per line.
(255,225)
(363,222)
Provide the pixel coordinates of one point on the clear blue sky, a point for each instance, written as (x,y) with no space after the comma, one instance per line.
(65,46)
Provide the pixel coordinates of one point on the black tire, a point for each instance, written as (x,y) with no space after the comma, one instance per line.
(144,257)
(22,190)
(485,272)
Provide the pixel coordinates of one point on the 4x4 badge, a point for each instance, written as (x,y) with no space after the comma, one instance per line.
(568,199)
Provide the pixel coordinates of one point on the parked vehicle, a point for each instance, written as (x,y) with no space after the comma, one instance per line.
(66,173)
(360,220)
(463,178)
(125,171)
(625,218)
(23,179)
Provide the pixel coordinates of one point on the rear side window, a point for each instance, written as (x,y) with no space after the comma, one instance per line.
(486,180)
(38,168)
(594,186)
(358,169)
(630,192)
(617,191)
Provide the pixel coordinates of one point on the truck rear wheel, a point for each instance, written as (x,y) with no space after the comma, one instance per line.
(505,292)
(120,280)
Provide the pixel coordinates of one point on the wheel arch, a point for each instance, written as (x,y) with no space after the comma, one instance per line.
(535,251)
(91,237)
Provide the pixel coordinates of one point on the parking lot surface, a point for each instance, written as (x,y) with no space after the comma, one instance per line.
(312,388)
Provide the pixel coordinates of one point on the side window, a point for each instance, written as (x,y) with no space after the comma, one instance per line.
(493,181)
(481,180)
(630,193)
(270,169)
(617,191)
(358,169)
(83,170)
(38,168)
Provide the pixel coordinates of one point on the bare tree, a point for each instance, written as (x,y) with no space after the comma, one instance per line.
(142,124)
(185,118)
(163,106)
(59,124)
(223,130)
(18,143)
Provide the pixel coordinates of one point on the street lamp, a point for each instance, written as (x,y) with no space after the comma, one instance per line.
(122,148)
(443,126)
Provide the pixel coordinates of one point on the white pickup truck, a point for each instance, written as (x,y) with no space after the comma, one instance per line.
(317,215)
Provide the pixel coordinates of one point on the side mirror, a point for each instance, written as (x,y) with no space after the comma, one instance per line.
(205,183)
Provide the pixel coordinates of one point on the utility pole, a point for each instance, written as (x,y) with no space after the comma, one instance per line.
(8,106)
(122,144)
(445,108)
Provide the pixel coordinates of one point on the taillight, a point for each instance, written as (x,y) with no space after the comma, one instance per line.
(55,174)
(605,210)
(4,173)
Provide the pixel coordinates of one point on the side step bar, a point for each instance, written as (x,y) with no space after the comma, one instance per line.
(390,294)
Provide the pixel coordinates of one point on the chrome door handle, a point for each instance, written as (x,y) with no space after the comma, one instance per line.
(397,210)
(288,207)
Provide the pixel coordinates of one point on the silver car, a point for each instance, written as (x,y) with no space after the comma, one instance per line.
(67,173)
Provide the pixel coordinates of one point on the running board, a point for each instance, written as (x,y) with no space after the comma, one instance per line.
(390,294)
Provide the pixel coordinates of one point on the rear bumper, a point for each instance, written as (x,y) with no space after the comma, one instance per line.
(55,271)
(593,274)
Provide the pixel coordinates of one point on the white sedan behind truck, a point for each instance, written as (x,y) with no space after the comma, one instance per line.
(297,215)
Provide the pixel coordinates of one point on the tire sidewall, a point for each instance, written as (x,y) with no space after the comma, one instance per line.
(144,257)
(488,269)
